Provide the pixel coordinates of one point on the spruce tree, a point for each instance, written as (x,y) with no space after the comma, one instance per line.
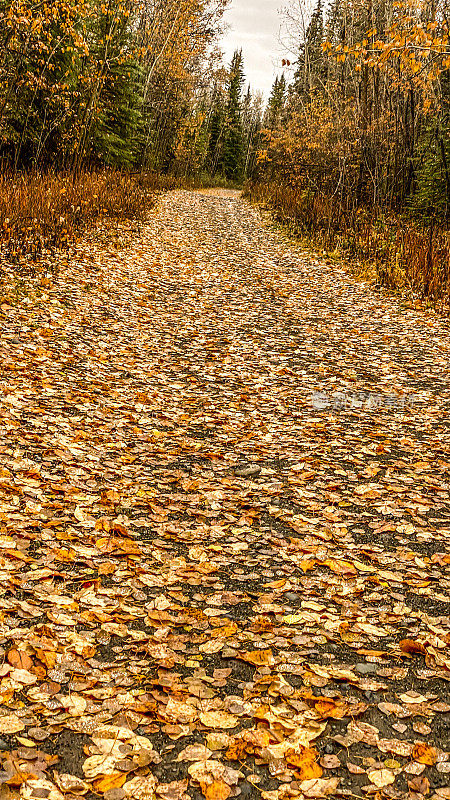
(118,128)
(233,151)
(214,159)
(276,101)
(117,124)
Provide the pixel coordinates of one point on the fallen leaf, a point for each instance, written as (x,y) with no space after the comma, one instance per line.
(11,723)
(381,777)
(113,781)
(176,790)
(355,769)
(419,784)
(304,759)
(424,754)
(140,788)
(260,658)
(194,752)
(217,790)
(330,762)
(19,659)
(410,647)
(218,719)
(319,787)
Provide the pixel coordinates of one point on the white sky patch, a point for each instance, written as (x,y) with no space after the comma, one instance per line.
(254,25)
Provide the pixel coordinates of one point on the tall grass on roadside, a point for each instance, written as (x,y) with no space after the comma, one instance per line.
(42,213)
(396,251)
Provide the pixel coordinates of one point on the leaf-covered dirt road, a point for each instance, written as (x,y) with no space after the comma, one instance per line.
(224,524)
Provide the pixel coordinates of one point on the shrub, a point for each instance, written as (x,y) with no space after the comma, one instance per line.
(42,213)
(401,255)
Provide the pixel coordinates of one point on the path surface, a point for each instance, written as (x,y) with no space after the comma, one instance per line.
(224,524)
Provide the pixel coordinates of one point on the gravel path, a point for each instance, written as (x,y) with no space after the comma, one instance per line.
(224,523)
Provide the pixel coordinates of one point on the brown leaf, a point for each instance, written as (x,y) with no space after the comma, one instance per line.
(19,659)
(355,769)
(319,787)
(410,647)
(419,784)
(194,752)
(172,791)
(330,762)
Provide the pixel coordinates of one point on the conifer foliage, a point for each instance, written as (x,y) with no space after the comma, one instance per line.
(276,101)
(233,156)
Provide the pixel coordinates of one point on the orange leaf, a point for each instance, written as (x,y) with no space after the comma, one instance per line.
(107,782)
(237,750)
(217,790)
(330,709)
(115,544)
(424,754)
(339,566)
(260,658)
(19,659)
(304,762)
(20,777)
(225,631)
(107,568)
(17,554)
(48,657)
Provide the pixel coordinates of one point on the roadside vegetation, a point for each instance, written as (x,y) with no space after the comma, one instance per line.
(104,104)
(356,152)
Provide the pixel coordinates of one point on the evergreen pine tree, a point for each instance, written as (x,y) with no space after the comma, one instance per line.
(118,124)
(432,168)
(214,158)
(233,150)
(276,101)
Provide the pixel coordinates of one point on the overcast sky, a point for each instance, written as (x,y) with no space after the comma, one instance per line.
(254,26)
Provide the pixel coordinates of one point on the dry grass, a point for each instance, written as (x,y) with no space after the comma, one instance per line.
(42,213)
(396,251)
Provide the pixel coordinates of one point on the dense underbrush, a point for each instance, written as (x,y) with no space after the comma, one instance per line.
(41,213)
(395,251)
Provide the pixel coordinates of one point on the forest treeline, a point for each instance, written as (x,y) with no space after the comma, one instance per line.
(357,147)
(137,84)
(104,102)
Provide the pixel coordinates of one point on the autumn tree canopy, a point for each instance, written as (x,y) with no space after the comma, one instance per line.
(118,83)
(366,115)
